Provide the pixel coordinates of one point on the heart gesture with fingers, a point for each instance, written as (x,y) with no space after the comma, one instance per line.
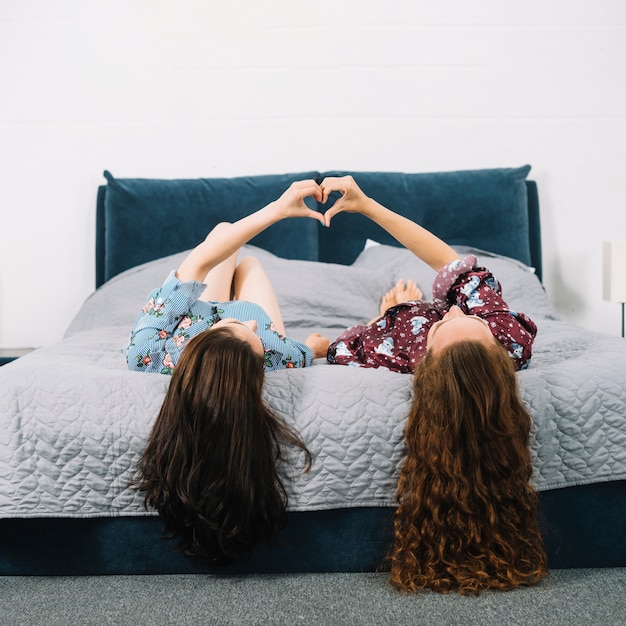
(352,199)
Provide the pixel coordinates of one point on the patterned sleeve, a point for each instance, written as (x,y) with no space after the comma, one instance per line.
(281,352)
(289,354)
(349,349)
(477,292)
(165,323)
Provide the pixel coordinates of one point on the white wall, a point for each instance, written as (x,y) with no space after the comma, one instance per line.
(205,87)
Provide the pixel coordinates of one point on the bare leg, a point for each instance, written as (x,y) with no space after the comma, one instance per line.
(251,283)
(219,281)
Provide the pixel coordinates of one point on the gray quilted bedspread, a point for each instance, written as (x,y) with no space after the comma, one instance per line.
(74,419)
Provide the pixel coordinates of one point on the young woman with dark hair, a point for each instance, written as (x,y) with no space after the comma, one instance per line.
(209,467)
(467,511)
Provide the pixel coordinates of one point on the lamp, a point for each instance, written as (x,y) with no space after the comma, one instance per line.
(614,275)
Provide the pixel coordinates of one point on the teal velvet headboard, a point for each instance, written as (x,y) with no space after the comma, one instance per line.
(140,219)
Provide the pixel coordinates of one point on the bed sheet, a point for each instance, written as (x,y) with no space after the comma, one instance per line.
(74,419)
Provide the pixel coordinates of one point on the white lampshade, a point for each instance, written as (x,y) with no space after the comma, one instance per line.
(614,274)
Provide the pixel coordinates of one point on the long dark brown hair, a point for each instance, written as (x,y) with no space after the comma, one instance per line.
(467,514)
(209,467)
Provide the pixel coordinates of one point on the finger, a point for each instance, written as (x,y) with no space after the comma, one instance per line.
(328,216)
(317,192)
(337,181)
(325,194)
(307,188)
(316,215)
(333,183)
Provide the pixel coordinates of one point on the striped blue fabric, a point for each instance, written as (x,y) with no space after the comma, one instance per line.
(173,315)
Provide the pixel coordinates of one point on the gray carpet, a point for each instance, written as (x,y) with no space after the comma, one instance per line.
(587,596)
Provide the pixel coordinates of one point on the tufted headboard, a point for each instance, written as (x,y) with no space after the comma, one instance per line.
(141,219)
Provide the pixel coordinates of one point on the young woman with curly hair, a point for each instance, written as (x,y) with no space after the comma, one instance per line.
(467,511)
(215,326)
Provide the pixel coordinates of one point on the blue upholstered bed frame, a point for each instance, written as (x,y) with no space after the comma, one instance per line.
(140,219)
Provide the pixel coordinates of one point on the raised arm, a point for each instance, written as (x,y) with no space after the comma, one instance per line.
(412,236)
(227,238)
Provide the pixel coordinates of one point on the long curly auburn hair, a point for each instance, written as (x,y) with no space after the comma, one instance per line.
(467,513)
(209,467)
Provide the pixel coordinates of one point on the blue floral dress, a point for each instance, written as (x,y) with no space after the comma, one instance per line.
(173,315)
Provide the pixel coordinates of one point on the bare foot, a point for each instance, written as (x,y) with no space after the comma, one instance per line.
(387,301)
(400,292)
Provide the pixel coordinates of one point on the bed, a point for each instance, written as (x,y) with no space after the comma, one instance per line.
(74,419)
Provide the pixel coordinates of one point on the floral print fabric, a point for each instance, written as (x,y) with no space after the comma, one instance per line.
(397,339)
(173,315)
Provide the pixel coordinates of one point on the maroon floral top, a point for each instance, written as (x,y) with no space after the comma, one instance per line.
(397,339)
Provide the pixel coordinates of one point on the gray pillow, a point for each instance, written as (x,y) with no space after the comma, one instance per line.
(521,288)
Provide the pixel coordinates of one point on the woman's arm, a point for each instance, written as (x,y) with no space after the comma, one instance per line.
(417,239)
(227,238)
